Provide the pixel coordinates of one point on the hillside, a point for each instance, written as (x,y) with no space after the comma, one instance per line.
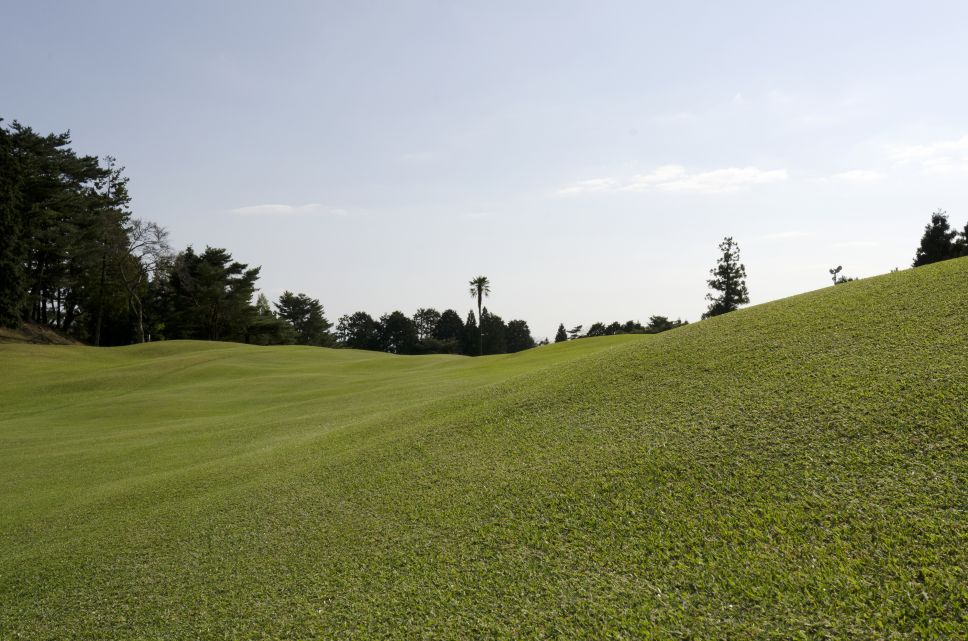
(35,333)
(793,470)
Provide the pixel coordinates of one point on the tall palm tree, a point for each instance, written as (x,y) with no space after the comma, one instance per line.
(480,287)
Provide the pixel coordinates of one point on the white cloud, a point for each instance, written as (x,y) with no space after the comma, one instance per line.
(940,157)
(594,185)
(287,210)
(677,178)
(858,176)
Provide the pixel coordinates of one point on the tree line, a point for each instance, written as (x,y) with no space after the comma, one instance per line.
(73,257)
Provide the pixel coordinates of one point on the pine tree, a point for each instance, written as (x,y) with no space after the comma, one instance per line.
(938,241)
(358,331)
(562,335)
(12,281)
(471,344)
(518,336)
(307,318)
(449,327)
(962,242)
(398,334)
(494,332)
(729,279)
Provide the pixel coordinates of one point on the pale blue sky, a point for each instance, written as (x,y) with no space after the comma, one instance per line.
(587,157)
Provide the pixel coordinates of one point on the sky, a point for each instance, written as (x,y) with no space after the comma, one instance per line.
(587,157)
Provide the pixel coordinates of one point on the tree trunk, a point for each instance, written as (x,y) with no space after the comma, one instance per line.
(100,303)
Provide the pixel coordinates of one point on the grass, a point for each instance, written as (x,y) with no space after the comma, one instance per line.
(794,470)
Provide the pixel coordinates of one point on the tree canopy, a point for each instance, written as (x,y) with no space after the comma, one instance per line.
(728,279)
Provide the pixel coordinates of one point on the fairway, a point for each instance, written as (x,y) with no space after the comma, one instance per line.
(792,470)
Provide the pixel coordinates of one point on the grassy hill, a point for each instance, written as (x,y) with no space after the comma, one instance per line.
(794,470)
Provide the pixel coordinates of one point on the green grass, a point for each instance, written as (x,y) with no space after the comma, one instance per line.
(795,470)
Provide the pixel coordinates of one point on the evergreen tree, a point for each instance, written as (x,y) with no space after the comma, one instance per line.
(266,328)
(449,327)
(659,324)
(12,281)
(596,329)
(938,241)
(561,336)
(518,336)
(398,334)
(633,327)
(962,242)
(494,331)
(575,332)
(472,336)
(307,318)
(729,279)
(426,320)
(211,296)
(68,214)
(358,331)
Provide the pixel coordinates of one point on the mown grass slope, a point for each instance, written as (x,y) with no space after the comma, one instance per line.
(794,470)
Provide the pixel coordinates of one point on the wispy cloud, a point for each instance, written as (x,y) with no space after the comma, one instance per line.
(287,210)
(677,178)
(942,156)
(595,185)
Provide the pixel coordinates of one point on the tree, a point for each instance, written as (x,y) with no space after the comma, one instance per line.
(358,331)
(137,257)
(398,334)
(633,327)
(307,318)
(426,320)
(963,242)
(494,331)
(212,295)
(471,332)
(659,324)
(837,277)
(266,328)
(937,243)
(480,288)
(518,336)
(12,281)
(729,279)
(561,336)
(835,272)
(64,215)
(596,329)
(449,327)
(574,332)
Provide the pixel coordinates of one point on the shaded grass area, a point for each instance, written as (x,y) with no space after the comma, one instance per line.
(797,469)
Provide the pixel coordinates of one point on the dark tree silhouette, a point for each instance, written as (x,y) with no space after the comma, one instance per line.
(561,336)
(307,318)
(480,288)
(729,279)
(938,241)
